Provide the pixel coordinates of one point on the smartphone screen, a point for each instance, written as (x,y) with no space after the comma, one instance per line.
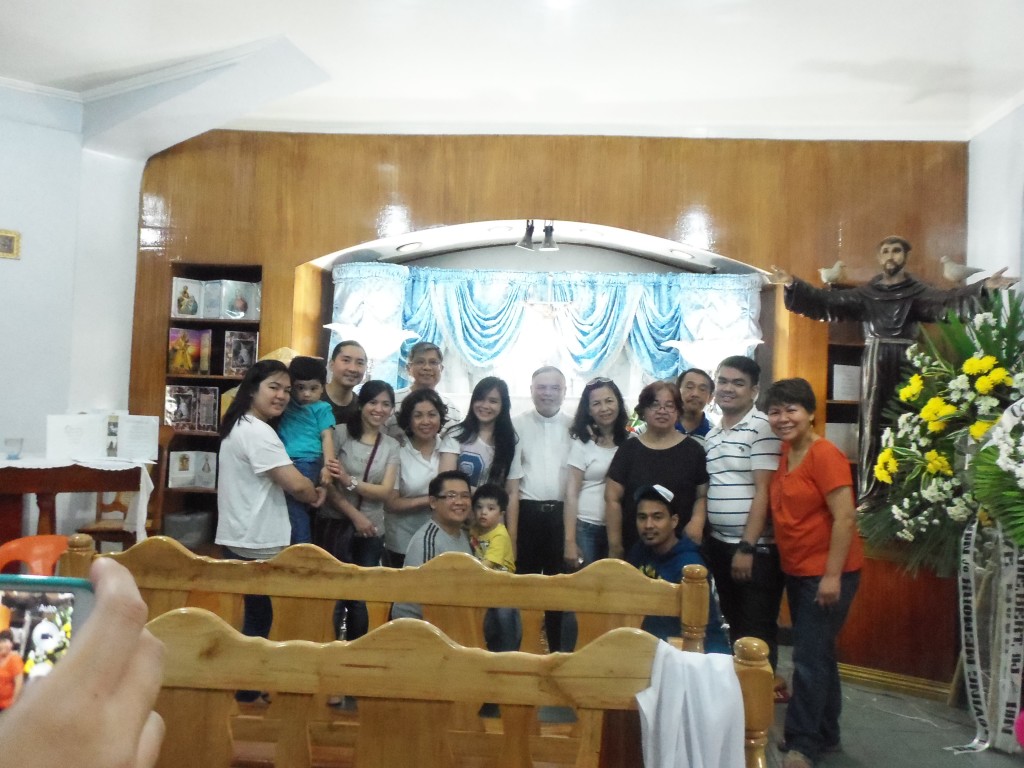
(38,619)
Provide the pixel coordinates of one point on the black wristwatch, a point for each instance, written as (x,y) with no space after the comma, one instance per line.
(745,548)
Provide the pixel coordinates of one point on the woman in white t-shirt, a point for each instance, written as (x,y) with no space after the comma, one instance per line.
(255,474)
(488,445)
(423,456)
(597,431)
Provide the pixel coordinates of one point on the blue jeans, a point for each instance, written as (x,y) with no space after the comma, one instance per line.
(812,716)
(257,618)
(300,514)
(366,552)
(591,541)
(503,629)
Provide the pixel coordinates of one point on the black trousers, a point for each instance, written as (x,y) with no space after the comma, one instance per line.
(540,544)
(751,607)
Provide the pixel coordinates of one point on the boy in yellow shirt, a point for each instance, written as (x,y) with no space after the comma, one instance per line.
(492,545)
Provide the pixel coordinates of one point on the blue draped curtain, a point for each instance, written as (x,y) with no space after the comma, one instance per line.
(666,319)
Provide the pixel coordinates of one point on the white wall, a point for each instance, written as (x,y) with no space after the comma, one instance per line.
(40,168)
(102,317)
(995,196)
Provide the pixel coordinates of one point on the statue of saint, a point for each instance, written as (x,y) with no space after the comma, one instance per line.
(890,306)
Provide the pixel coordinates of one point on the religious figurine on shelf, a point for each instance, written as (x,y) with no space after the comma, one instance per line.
(890,307)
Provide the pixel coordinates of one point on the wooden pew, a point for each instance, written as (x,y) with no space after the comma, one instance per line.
(455,590)
(407,676)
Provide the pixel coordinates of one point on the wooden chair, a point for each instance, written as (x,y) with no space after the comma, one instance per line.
(39,553)
(112,529)
(408,678)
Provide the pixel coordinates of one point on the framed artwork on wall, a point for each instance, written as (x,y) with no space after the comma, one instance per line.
(10,244)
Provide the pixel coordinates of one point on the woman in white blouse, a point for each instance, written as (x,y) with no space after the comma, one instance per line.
(424,455)
(597,431)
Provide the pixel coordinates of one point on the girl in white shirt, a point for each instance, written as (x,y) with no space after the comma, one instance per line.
(255,474)
(597,431)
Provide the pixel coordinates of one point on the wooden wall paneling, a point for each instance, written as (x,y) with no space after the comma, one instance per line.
(281,200)
(902,624)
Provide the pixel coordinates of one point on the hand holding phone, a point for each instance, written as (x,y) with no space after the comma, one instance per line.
(97,702)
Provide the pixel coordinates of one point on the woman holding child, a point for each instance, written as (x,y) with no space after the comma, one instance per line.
(424,455)
(369,468)
(255,474)
(597,431)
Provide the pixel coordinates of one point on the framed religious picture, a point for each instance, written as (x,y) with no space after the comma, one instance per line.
(10,244)
(239,351)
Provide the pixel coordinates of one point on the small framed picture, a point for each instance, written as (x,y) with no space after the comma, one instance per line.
(10,244)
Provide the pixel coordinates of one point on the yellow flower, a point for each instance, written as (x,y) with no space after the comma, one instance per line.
(930,411)
(1000,376)
(913,389)
(886,466)
(979,428)
(975,365)
(937,463)
(984,518)
(984,385)
(936,426)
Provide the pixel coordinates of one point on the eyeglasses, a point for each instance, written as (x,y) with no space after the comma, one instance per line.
(598,380)
(426,363)
(453,495)
(662,406)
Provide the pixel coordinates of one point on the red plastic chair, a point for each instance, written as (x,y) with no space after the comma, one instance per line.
(39,553)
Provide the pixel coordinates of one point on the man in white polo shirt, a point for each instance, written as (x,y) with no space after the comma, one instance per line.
(742,455)
(539,531)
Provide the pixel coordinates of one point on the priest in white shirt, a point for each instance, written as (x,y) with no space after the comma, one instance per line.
(539,531)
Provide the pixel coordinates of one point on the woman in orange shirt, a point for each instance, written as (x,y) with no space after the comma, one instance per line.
(814,516)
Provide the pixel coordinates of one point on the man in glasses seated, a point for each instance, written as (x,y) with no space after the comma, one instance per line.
(450,503)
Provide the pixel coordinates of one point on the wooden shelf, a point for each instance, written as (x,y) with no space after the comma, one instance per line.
(204,376)
(842,402)
(191,489)
(195,433)
(214,322)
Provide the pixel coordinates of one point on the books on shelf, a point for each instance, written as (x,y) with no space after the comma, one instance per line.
(192,469)
(192,409)
(239,351)
(188,351)
(87,436)
(215,299)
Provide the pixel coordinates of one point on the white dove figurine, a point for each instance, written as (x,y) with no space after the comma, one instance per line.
(833,274)
(957,273)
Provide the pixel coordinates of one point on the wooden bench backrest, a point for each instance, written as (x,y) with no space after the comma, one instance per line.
(454,589)
(407,677)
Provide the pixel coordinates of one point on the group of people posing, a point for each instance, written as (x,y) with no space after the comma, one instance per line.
(377,477)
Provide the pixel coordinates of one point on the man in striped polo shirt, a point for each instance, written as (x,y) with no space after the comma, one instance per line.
(742,454)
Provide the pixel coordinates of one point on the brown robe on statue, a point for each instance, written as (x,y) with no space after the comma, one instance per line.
(890,315)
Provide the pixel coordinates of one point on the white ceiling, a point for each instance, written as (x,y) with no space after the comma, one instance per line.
(923,69)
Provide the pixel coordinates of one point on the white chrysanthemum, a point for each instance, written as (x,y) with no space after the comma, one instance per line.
(905,535)
(887,437)
(987,406)
(911,352)
(983,318)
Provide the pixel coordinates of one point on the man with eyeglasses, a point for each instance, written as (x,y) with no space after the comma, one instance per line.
(450,501)
(742,455)
(539,530)
(425,365)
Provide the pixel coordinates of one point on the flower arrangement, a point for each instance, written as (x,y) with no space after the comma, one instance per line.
(961,377)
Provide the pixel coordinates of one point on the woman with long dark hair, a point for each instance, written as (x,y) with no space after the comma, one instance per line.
(423,457)
(255,474)
(351,525)
(597,431)
(488,446)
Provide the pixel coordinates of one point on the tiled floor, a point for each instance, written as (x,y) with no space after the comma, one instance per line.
(881,729)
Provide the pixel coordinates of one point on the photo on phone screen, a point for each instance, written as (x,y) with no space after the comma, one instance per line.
(38,618)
